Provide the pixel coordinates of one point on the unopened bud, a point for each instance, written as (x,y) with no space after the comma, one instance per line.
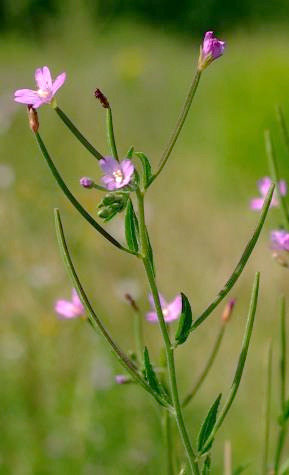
(132,302)
(122,379)
(33,119)
(227,312)
(102,99)
(86,182)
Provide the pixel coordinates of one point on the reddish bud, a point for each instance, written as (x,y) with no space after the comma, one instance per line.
(227,312)
(33,119)
(132,302)
(102,99)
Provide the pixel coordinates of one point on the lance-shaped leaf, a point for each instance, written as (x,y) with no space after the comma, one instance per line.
(241,363)
(93,318)
(131,227)
(151,376)
(185,321)
(146,169)
(130,152)
(241,264)
(208,426)
(150,252)
(207,466)
(72,198)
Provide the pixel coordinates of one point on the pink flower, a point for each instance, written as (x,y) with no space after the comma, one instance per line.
(46,89)
(69,309)
(263,186)
(117,174)
(280,240)
(171,310)
(211,49)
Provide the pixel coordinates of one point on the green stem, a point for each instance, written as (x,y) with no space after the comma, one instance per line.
(275,173)
(181,120)
(110,133)
(241,362)
(279,448)
(78,134)
(207,367)
(72,198)
(241,264)
(139,334)
(169,443)
(93,318)
(169,350)
(267,411)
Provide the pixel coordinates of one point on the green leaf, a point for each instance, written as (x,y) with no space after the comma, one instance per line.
(147,170)
(131,227)
(130,152)
(208,426)
(206,466)
(185,321)
(150,373)
(150,252)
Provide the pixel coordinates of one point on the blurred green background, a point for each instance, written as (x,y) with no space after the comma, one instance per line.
(60,409)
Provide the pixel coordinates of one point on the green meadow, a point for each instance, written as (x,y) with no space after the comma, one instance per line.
(60,409)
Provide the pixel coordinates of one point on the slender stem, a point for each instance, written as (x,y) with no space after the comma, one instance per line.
(139,334)
(275,173)
(93,318)
(180,122)
(267,411)
(169,350)
(72,198)
(241,362)
(241,264)
(283,363)
(78,134)
(169,443)
(283,125)
(206,368)
(110,133)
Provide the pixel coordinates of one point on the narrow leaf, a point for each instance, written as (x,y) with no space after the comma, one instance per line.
(130,152)
(131,227)
(241,264)
(147,170)
(150,252)
(150,373)
(185,321)
(208,426)
(206,466)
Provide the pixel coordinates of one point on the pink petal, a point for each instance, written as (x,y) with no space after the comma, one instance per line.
(26,96)
(283,187)
(264,185)
(127,168)
(40,83)
(257,203)
(77,302)
(109,182)
(162,301)
(47,78)
(175,308)
(58,82)
(109,165)
(66,309)
(152,317)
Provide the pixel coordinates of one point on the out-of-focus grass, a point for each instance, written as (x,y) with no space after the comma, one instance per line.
(60,409)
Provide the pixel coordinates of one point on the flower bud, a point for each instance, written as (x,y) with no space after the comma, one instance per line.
(102,99)
(228,310)
(211,49)
(33,119)
(122,379)
(86,182)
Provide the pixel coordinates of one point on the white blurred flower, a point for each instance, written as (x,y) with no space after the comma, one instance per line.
(7,176)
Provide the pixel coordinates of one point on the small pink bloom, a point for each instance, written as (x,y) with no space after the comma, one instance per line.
(46,89)
(69,308)
(171,310)
(280,240)
(117,174)
(211,49)
(263,186)
(86,182)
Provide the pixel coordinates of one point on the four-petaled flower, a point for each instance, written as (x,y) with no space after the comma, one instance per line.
(46,89)
(280,240)
(69,308)
(171,310)
(211,49)
(263,186)
(117,174)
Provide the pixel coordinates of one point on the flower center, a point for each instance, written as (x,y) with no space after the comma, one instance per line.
(165,312)
(43,93)
(118,176)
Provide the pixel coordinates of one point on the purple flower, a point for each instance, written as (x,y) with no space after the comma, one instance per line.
(280,240)
(263,186)
(171,310)
(86,182)
(117,174)
(121,379)
(46,89)
(69,308)
(211,49)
